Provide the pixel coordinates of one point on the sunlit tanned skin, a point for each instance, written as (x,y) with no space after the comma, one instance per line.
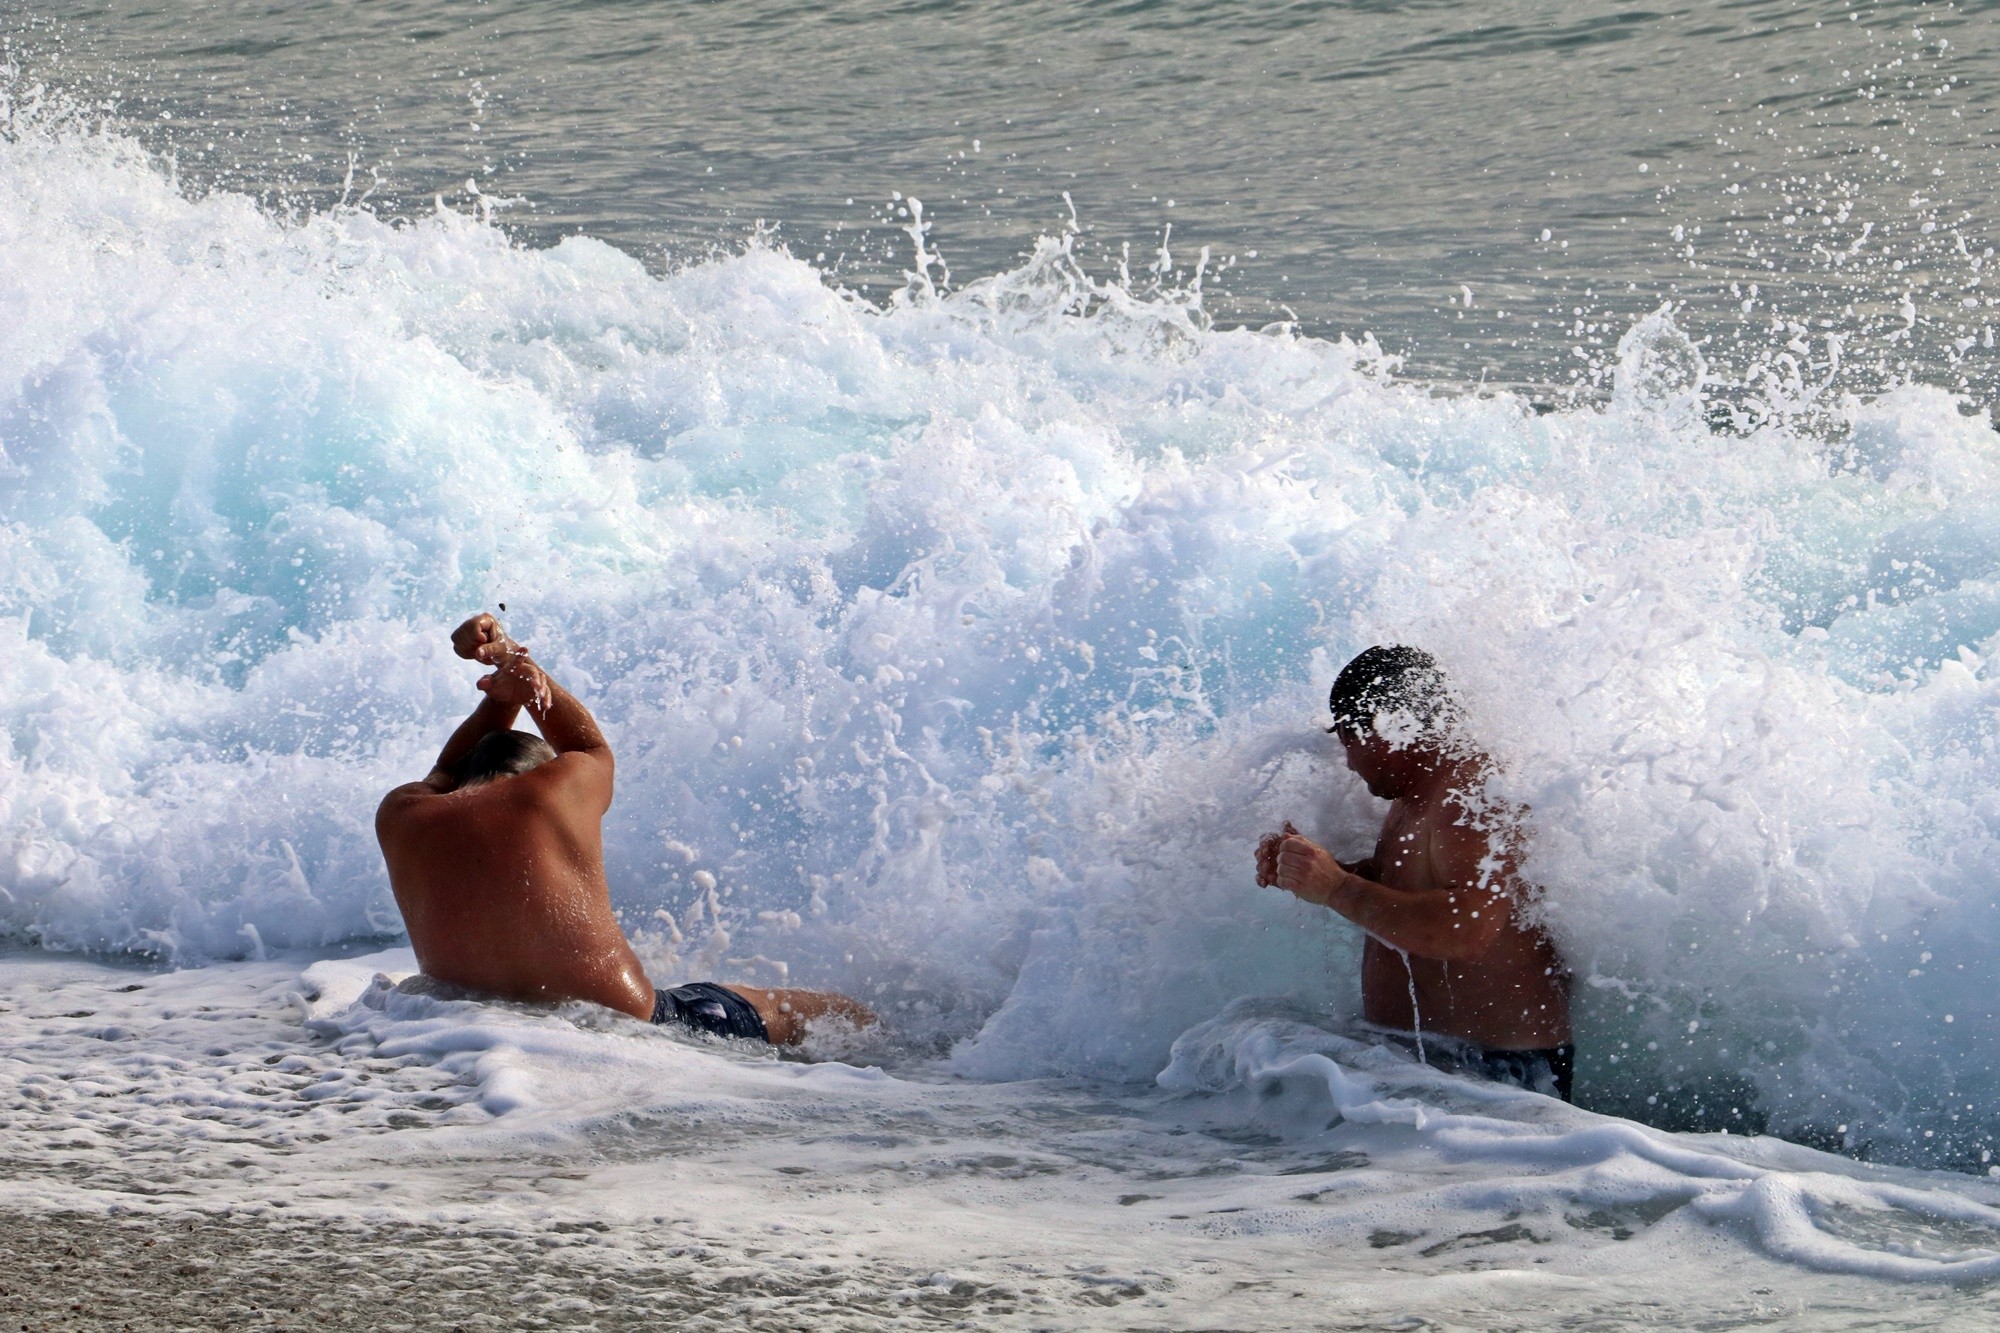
(501,882)
(1446,949)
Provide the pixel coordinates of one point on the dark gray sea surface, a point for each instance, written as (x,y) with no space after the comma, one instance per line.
(1495,190)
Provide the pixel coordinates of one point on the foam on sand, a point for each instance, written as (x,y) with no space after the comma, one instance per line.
(359,1126)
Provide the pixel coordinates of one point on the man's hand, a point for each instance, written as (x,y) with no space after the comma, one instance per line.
(520,682)
(1267,855)
(1299,866)
(481,639)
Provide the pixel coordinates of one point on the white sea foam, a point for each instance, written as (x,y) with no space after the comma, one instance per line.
(1280,1163)
(1574,1159)
(956,652)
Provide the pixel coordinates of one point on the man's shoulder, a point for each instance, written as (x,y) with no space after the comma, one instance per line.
(402,802)
(573,773)
(409,792)
(1472,840)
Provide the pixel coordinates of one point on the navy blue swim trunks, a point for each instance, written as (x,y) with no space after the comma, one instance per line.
(1547,1071)
(707,1007)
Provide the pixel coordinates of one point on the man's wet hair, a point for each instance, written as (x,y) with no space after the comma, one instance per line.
(502,754)
(1405,684)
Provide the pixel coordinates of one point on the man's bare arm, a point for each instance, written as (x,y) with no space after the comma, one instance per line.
(582,754)
(1456,922)
(479,639)
(490,716)
(516,682)
(567,725)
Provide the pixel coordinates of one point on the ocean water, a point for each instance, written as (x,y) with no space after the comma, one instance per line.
(1496,191)
(959,633)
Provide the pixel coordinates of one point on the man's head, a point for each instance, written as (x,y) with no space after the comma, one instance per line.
(1394,716)
(501,754)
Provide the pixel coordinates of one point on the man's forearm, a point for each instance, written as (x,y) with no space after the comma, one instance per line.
(492,715)
(1453,925)
(566,724)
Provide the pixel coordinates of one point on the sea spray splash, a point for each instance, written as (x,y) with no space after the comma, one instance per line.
(956,652)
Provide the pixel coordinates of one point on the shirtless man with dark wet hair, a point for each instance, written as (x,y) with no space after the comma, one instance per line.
(1447,950)
(497,862)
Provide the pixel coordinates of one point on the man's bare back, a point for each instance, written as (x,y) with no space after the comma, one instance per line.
(1447,950)
(501,878)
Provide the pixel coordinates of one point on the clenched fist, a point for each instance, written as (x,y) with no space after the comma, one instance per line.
(481,639)
(516,679)
(1295,863)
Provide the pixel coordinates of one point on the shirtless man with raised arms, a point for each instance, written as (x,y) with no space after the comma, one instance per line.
(1447,950)
(497,862)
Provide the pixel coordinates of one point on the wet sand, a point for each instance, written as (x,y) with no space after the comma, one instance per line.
(67,1271)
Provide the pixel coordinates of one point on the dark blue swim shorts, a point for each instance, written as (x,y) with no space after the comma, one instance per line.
(1547,1071)
(707,1007)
